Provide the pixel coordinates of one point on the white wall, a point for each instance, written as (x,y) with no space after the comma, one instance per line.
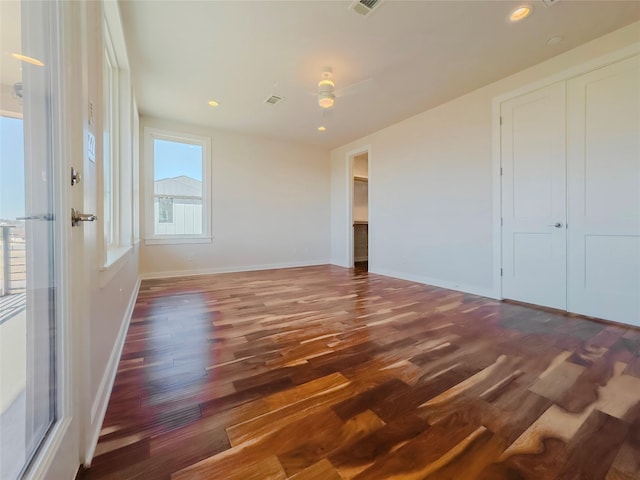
(270,207)
(109,292)
(110,312)
(431,184)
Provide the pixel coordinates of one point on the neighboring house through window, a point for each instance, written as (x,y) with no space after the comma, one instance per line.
(179,203)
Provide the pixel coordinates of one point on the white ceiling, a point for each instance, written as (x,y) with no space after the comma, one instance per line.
(414,54)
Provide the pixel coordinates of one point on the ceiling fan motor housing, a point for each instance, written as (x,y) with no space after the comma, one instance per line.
(326,98)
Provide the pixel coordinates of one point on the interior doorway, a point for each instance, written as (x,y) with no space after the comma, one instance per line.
(360,210)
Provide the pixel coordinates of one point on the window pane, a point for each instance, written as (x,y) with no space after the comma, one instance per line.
(166,210)
(107,158)
(177,188)
(27,246)
(109,163)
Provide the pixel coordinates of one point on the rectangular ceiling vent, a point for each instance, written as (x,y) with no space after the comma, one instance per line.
(548,3)
(274,99)
(365,7)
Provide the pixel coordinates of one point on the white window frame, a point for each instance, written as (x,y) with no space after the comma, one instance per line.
(150,237)
(135,172)
(115,243)
(112,158)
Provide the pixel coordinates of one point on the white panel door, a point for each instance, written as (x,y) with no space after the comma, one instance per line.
(534,197)
(603,132)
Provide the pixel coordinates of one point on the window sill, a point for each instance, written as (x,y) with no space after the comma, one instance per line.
(116,258)
(176,240)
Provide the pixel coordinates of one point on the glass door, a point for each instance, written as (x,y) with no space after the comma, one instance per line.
(30,211)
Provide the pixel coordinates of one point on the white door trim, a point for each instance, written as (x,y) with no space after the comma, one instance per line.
(497,101)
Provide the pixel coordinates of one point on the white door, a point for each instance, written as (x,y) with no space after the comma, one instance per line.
(603,132)
(38,431)
(533,197)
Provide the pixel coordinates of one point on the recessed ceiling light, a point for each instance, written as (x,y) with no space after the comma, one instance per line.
(555,40)
(213,103)
(322,129)
(520,13)
(31,60)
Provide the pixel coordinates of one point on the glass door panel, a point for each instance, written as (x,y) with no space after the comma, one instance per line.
(27,206)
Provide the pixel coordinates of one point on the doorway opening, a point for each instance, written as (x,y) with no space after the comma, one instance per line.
(360,211)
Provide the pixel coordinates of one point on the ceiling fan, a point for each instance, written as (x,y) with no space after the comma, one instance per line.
(327,93)
(326,87)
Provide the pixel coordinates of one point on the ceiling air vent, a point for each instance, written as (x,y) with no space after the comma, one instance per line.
(365,7)
(273,99)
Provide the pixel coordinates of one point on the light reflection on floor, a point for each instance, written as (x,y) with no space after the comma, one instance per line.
(185,339)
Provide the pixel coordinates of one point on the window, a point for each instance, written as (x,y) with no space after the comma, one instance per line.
(117,163)
(110,142)
(135,171)
(165,210)
(178,187)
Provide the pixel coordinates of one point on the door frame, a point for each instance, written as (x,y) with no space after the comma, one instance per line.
(350,200)
(496,141)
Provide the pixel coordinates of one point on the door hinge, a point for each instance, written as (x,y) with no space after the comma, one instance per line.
(500,119)
(502,222)
(500,171)
(500,272)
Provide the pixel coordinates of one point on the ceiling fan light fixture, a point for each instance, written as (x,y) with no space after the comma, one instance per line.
(326,99)
(326,83)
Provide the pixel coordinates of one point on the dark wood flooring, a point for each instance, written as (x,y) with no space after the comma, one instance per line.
(361,267)
(328,373)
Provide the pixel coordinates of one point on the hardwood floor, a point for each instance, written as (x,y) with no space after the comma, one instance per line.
(327,373)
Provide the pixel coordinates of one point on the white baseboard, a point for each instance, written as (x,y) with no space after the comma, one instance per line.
(101,401)
(244,268)
(338,263)
(460,287)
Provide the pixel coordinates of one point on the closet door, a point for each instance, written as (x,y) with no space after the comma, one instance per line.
(534,197)
(603,133)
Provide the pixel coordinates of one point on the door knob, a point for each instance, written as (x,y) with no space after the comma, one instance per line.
(556,225)
(77,217)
